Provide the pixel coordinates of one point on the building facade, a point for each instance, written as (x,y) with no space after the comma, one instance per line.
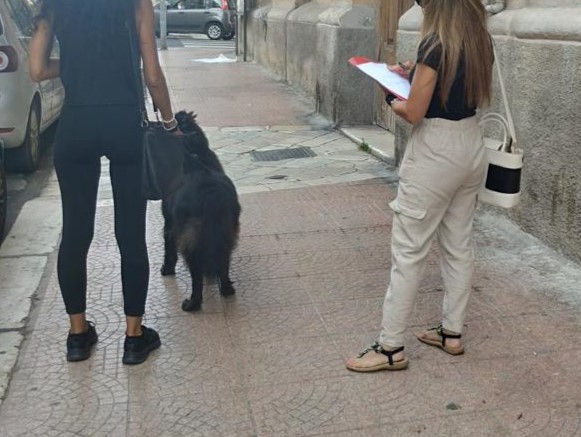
(308,44)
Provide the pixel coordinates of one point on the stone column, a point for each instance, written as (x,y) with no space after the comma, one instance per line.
(308,43)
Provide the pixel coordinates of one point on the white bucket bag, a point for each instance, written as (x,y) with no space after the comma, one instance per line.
(501,186)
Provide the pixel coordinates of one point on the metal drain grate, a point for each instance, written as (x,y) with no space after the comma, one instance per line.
(280,154)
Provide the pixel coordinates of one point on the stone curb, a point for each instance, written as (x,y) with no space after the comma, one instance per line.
(379,154)
(23,259)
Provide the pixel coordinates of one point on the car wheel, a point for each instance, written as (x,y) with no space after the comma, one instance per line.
(3,198)
(228,36)
(214,31)
(27,157)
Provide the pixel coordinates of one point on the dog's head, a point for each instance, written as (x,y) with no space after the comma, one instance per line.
(196,141)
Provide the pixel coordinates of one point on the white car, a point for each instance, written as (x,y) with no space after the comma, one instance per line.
(3,192)
(26,108)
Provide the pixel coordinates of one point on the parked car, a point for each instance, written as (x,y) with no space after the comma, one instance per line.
(3,193)
(215,18)
(26,108)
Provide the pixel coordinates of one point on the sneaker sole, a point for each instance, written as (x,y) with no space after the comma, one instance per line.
(132,358)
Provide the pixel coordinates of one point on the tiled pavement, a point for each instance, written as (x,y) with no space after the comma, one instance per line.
(311,271)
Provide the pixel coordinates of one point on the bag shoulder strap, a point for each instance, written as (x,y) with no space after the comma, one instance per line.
(131,25)
(511,128)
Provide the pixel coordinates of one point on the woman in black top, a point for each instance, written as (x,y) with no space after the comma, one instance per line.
(101,117)
(440,175)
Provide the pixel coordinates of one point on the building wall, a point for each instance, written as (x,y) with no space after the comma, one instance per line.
(539,46)
(308,44)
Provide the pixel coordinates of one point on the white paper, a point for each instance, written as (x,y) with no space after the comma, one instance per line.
(220,59)
(395,83)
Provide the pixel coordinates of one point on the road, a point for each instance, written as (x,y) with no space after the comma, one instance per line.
(23,187)
(198,41)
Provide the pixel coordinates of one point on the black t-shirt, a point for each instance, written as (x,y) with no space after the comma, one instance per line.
(456,107)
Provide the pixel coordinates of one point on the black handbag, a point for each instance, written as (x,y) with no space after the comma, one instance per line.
(163,151)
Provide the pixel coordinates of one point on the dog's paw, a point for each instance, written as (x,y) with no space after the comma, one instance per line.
(190,306)
(227,290)
(167,271)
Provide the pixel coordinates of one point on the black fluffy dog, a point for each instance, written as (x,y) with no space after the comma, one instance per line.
(201,216)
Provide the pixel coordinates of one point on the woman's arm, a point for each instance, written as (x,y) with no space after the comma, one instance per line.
(40,65)
(414,109)
(154,77)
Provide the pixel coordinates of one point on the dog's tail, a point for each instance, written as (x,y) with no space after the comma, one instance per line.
(213,235)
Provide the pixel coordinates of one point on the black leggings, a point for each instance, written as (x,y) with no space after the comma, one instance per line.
(85,134)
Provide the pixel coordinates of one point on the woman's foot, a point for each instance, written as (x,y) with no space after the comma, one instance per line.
(79,345)
(444,339)
(377,357)
(138,348)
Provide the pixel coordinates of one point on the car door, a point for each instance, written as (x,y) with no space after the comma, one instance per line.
(196,13)
(22,15)
(58,89)
(176,16)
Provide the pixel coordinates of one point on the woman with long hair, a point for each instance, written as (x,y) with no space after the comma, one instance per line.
(440,175)
(101,117)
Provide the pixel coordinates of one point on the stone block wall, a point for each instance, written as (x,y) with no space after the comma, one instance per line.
(308,44)
(539,48)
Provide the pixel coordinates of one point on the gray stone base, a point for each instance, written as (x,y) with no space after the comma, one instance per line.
(310,46)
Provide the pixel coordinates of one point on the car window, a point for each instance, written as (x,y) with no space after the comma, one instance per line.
(180,4)
(21,13)
(195,4)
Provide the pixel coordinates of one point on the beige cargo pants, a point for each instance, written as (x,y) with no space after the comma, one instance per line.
(441,173)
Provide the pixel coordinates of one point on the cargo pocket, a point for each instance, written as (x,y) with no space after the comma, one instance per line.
(401,206)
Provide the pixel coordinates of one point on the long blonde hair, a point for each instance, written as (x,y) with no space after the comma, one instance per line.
(459,26)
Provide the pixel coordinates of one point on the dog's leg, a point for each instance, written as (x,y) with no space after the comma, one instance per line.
(226,287)
(170,257)
(194,303)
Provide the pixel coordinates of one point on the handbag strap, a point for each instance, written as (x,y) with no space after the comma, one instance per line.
(135,60)
(511,128)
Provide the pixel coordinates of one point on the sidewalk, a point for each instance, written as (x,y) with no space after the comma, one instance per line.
(310,271)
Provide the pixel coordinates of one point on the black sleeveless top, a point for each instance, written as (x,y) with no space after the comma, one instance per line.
(96,65)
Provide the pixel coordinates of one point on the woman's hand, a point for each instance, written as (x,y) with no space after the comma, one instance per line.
(172,126)
(402,68)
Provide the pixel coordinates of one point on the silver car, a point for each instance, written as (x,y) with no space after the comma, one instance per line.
(26,108)
(215,18)
(3,193)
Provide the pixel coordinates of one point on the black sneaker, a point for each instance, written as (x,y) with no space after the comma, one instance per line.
(137,349)
(79,345)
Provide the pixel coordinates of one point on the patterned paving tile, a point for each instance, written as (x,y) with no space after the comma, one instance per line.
(311,271)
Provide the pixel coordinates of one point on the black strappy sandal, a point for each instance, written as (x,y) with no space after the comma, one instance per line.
(359,363)
(441,342)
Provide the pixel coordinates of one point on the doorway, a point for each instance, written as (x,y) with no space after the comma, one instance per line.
(390,12)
